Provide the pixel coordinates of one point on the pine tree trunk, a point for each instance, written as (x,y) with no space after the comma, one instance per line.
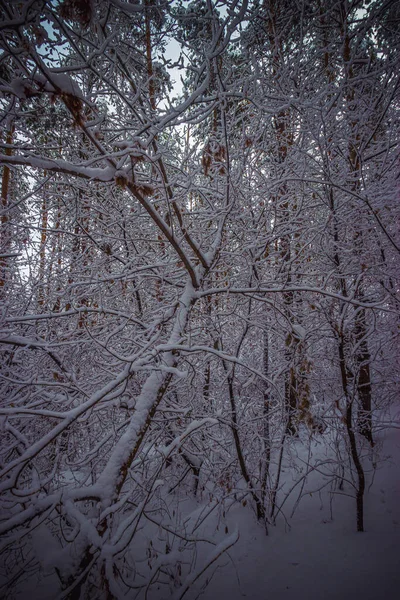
(5,234)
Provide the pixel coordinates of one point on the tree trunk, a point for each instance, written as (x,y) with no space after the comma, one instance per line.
(364,389)
(352,438)
(266,460)
(6,235)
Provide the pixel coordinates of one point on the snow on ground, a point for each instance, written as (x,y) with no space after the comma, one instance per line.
(319,558)
(316,555)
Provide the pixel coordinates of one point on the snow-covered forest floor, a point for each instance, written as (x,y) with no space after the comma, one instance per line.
(318,554)
(312,551)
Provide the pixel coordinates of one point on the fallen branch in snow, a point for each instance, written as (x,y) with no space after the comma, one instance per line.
(222,547)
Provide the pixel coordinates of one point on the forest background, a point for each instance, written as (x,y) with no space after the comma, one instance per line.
(199,294)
